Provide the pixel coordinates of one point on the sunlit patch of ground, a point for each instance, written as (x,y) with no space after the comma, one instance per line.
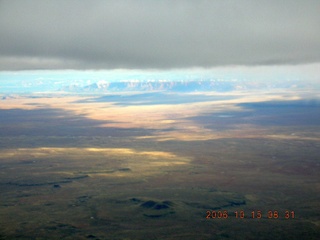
(157,117)
(112,162)
(73,192)
(158,183)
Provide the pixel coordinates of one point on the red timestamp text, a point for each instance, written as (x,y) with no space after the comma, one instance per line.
(256,214)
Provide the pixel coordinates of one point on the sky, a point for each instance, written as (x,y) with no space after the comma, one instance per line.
(152,34)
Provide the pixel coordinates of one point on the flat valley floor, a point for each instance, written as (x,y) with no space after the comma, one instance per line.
(160,166)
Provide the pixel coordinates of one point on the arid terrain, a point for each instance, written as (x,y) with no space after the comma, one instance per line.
(160,166)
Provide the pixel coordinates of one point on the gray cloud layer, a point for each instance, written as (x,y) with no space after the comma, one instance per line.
(157,34)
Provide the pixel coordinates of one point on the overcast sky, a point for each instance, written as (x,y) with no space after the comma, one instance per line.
(156,34)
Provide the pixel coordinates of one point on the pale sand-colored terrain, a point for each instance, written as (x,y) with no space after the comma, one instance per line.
(156,171)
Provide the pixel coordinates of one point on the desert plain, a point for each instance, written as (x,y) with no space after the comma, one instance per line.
(160,166)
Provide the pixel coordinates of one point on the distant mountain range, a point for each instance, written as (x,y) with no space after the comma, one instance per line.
(95,86)
(176,86)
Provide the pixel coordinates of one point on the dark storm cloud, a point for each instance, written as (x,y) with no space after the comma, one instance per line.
(157,34)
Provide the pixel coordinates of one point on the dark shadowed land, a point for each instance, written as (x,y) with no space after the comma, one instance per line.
(156,166)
